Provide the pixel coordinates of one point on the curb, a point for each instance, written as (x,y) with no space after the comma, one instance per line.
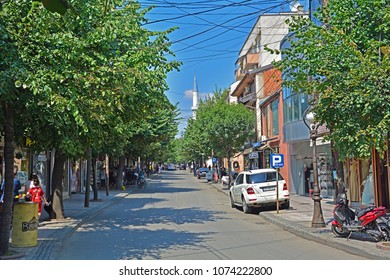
(330,241)
(383,246)
(12,256)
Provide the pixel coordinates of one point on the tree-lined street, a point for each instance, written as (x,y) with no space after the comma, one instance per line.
(84,98)
(179,217)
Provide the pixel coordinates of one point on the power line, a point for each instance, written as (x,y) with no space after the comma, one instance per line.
(224,25)
(206,24)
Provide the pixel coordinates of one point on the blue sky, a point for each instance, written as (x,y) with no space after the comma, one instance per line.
(209,37)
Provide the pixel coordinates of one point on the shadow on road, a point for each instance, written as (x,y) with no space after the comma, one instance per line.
(146,233)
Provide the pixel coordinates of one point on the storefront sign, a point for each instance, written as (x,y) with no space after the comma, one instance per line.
(253,155)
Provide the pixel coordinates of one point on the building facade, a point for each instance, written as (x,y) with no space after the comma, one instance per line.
(258,87)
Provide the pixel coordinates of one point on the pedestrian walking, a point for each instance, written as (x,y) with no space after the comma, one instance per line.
(103,177)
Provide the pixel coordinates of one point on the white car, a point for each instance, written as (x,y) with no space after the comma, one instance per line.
(257,188)
(171,166)
(225,179)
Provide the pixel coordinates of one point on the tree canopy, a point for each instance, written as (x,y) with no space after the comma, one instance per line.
(71,82)
(342,62)
(85,76)
(219,127)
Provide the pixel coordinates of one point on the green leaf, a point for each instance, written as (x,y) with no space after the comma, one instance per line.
(57,6)
(18,84)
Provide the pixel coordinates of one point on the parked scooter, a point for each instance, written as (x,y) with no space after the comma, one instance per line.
(371,220)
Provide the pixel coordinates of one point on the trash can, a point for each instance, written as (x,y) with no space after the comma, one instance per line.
(25,224)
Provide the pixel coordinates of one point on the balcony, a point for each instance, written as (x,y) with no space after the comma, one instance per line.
(251,61)
(240,73)
(246,98)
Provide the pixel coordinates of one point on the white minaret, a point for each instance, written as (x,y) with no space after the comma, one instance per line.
(194,98)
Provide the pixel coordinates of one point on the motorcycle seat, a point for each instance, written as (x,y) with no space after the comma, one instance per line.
(361,212)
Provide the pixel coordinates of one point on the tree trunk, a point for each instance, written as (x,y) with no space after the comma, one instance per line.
(58,174)
(6,216)
(94,185)
(107,164)
(119,174)
(88,183)
(229,169)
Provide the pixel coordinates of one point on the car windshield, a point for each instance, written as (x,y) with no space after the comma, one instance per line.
(263,177)
(203,169)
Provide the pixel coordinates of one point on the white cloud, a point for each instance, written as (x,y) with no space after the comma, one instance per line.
(202,95)
(188,93)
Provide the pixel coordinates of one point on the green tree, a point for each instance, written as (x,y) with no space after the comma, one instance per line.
(341,62)
(219,127)
(73,80)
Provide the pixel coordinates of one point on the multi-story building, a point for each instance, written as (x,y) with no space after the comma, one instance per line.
(258,87)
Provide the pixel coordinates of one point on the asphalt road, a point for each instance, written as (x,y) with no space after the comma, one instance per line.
(179,217)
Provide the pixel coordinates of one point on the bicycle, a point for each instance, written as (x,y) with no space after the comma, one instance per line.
(142,183)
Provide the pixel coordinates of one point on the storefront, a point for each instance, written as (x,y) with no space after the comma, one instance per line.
(368,181)
(301,168)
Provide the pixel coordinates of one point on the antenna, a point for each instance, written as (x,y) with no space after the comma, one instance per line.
(294,5)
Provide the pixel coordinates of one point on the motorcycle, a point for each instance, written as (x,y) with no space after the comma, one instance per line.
(371,220)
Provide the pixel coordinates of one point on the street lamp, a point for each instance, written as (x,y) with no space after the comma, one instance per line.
(318,218)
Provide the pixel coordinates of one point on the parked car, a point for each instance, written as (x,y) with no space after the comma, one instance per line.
(257,188)
(225,178)
(201,172)
(171,166)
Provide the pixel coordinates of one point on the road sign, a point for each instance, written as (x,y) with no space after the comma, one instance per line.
(256,144)
(277,160)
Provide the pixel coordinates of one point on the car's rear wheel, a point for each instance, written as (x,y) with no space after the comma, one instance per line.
(286,205)
(245,208)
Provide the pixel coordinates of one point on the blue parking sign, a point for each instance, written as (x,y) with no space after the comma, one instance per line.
(277,160)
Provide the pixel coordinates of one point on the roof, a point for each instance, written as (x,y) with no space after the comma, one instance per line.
(256,171)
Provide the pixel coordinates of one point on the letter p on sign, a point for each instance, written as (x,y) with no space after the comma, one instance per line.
(277,160)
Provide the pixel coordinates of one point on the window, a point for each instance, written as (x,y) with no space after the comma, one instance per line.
(239,179)
(286,110)
(252,87)
(270,114)
(268,120)
(247,179)
(294,105)
(275,117)
(264,177)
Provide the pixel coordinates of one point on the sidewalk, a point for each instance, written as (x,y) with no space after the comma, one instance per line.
(298,218)
(52,233)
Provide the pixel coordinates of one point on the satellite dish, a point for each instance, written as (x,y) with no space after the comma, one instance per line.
(294,6)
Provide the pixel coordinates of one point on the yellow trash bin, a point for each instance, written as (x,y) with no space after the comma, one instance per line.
(25,224)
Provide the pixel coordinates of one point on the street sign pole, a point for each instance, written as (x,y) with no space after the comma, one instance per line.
(277,190)
(277,161)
